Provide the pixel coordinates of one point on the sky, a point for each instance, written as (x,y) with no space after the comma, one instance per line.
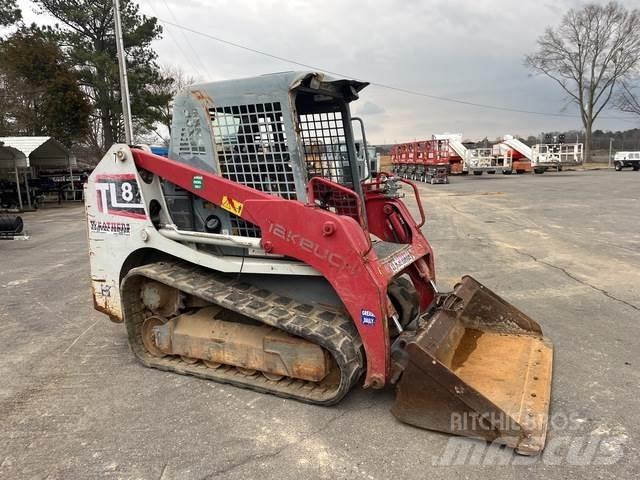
(470,50)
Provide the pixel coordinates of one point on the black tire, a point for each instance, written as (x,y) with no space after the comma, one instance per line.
(617,166)
(477,172)
(507,172)
(539,171)
(636,168)
(405,300)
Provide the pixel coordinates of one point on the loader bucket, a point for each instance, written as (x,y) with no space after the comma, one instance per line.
(479,368)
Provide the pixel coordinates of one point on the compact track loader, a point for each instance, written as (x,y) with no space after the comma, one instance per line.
(260,254)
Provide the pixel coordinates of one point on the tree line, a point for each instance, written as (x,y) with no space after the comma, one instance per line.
(600,139)
(62,81)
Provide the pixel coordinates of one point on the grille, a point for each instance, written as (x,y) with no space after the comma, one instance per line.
(251,144)
(252,147)
(325,147)
(243,228)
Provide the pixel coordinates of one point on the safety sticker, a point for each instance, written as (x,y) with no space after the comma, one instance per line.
(112,228)
(400,261)
(197,182)
(231,205)
(367,317)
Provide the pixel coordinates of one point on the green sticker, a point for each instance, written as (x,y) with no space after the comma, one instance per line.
(197,182)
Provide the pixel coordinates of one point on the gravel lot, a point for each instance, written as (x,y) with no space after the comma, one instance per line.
(563,247)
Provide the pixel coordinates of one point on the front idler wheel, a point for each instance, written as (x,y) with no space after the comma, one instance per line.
(148,335)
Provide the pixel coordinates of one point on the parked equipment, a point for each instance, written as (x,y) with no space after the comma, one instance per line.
(457,151)
(555,154)
(520,154)
(59,185)
(10,197)
(420,160)
(435,175)
(255,256)
(475,160)
(626,160)
(488,160)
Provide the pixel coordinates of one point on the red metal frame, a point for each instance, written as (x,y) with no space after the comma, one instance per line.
(336,198)
(394,156)
(336,245)
(519,163)
(523,165)
(424,152)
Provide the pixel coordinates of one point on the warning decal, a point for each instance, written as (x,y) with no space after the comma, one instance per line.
(231,205)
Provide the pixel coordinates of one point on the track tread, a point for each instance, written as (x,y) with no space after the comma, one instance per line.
(330,329)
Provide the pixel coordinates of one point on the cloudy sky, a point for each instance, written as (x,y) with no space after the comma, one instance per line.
(469,50)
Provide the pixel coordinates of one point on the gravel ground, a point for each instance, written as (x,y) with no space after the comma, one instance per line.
(565,248)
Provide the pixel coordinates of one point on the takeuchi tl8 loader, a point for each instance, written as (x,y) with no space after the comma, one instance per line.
(260,255)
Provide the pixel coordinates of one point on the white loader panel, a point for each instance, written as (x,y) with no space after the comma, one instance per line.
(120,226)
(518,146)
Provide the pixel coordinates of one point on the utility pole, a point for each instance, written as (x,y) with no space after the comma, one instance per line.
(124,83)
(610,149)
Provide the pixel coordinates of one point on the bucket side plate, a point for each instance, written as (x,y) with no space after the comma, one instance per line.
(476,372)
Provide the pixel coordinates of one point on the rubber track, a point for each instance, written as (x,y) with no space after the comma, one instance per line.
(333,331)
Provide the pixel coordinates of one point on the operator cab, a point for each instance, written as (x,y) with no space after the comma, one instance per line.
(274,133)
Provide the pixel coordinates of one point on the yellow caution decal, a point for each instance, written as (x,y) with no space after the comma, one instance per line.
(231,205)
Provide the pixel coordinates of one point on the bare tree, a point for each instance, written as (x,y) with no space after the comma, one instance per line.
(588,55)
(628,99)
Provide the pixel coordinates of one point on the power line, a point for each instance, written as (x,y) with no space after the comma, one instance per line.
(177,44)
(377,84)
(198,59)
